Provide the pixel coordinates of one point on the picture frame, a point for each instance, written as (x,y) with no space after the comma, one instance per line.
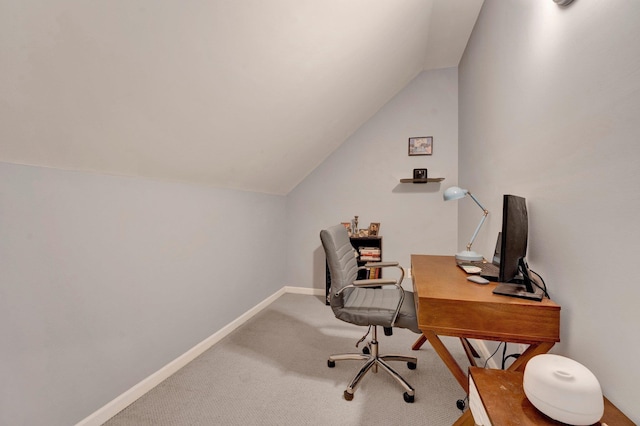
(347,225)
(419,173)
(422,145)
(374,229)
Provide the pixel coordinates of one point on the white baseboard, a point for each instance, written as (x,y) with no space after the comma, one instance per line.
(304,290)
(127,398)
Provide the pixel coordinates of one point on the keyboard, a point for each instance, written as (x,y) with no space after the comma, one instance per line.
(487,270)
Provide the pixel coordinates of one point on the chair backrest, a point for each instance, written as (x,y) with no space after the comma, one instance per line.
(342,262)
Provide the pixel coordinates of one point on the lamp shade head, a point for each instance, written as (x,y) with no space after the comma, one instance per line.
(454,193)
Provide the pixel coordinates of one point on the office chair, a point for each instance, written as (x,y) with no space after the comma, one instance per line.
(367,302)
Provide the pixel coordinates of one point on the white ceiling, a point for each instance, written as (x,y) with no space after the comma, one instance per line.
(245,94)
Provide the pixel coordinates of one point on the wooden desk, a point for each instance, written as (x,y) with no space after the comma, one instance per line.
(505,402)
(449,305)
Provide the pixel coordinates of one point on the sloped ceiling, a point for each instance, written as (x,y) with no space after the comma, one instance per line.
(245,94)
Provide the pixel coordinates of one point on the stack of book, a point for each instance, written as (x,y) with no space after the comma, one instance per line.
(370,254)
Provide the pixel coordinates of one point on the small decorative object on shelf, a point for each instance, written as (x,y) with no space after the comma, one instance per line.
(354,232)
(362,233)
(348,226)
(420,174)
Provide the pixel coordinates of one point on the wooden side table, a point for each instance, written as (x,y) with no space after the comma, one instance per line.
(505,403)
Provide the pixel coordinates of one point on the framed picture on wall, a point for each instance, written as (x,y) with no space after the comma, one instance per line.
(421,145)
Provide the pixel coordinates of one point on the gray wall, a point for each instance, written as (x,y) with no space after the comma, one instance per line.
(362,178)
(104,280)
(549,110)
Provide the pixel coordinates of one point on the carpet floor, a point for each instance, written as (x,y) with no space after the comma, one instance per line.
(273,370)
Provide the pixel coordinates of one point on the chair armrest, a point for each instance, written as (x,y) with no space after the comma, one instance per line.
(380,264)
(376,282)
(385,265)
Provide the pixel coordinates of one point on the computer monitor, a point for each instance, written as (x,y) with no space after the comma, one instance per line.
(513,250)
(515,233)
(496,252)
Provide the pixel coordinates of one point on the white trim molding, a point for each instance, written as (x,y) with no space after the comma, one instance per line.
(127,398)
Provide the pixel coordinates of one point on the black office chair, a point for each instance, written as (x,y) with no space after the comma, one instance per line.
(367,302)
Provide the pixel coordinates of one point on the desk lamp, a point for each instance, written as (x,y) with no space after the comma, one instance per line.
(456,193)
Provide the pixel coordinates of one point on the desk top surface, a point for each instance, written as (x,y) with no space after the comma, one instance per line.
(447,303)
(439,277)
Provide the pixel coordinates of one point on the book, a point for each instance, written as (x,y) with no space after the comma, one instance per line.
(370,258)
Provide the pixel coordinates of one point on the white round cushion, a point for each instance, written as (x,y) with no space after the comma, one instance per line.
(563,389)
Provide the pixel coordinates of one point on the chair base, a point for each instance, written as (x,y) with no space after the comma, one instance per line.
(373,361)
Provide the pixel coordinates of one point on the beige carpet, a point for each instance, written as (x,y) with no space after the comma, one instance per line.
(273,371)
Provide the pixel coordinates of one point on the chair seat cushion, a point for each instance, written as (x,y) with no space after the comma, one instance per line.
(376,306)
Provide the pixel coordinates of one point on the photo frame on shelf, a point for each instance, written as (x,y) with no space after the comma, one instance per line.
(421,145)
(347,225)
(419,173)
(374,229)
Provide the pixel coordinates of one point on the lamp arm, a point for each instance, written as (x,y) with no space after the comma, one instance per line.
(475,234)
(485,212)
(478,203)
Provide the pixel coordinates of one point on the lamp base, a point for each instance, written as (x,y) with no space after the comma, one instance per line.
(470,256)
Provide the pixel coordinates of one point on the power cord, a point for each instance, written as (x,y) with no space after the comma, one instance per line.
(494,352)
(505,357)
(461,403)
(544,285)
(523,269)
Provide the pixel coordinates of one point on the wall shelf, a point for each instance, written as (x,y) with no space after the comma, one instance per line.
(421,180)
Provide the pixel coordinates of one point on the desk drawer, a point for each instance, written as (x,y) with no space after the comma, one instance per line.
(518,323)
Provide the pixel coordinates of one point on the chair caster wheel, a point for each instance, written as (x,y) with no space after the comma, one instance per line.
(366,350)
(408,398)
(412,365)
(331,364)
(348,396)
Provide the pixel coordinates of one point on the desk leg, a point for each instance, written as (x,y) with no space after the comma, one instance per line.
(418,344)
(470,351)
(448,359)
(533,350)
(465,420)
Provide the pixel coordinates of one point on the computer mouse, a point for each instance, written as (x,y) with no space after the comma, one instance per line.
(477,279)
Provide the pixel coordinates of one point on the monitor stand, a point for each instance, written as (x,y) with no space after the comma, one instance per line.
(518,290)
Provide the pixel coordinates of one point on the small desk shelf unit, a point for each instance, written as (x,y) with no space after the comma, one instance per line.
(364,246)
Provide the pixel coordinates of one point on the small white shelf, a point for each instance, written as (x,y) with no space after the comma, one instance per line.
(421,180)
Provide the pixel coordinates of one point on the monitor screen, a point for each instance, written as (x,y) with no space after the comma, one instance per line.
(496,252)
(515,229)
